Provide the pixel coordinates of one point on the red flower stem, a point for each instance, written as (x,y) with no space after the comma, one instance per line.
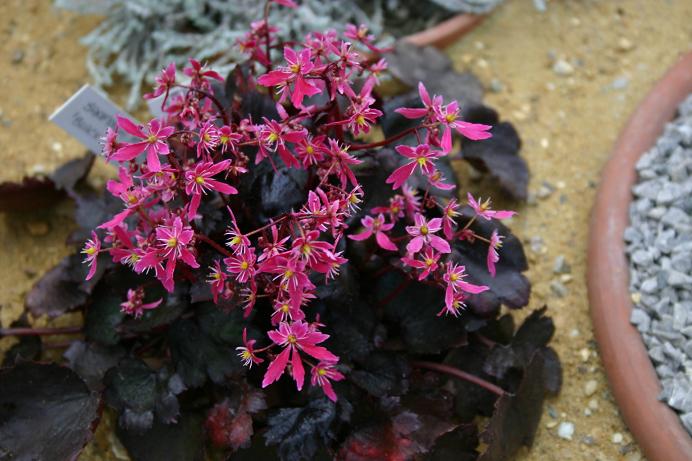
(389,140)
(213,99)
(390,297)
(213,244)
(28,331)
(457,373)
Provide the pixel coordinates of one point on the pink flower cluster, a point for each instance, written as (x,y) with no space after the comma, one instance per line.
(201,149)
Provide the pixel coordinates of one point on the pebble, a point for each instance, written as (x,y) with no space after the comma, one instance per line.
(624,44)
(617,438)
(545,191)
(17,57)
(588,440)
(659,247)
(563,68)
(620,83)
(560,266)
(558,289)
(565,430)
(496,86)
(537,245)
(593,404)
(590,387)
(585,354)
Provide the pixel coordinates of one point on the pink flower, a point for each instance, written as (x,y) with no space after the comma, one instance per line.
(228,139)
(173,243)
(341,163)
(134,305)
(310,150)
(448,116)
(449,214)
(320,376)
(237,241)
(91,252)
(427,265)
(273,136)
(437,179)
(294,338)
(275,247)
(454,304)
(423,233)
(454,277)
(493,256)
(299,66)
(199,180)
(378,227)
(285,310)
(208,138)
(310,249)
(288,3)
(217,282)
(164,82)
(154,134)
(110,143)
(421,156)
(199,74)
(430,105)
(483,209)
(247,351)
(243,266)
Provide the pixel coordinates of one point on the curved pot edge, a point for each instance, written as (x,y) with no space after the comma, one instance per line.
(446,32)
(633,379)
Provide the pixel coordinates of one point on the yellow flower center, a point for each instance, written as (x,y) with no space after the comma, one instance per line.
(429,262)
(172,242)
(450,117)
(285,308)
(273,137)
(246,355)
(295,68)
(152,139)
(422,161)
(199,180)
(288,274)
(132,199)
(424,230)
(310,150)
(224,139)
(321,371)
(291,339)
(244,265)
(360,120)
(235,240)
(306,249)
(454,277)
(90,250)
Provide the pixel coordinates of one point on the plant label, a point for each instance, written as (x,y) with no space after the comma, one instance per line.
(87,115)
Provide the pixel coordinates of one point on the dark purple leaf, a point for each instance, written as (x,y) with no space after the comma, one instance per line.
(64,287)
(91,361)
(46,412)
(68,175)
(412,64)
(499,156)
(299,432)
(382,374)
(140,394)
(516,415)
(177,441)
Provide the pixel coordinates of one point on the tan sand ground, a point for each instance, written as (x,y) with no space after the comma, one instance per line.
(615,51)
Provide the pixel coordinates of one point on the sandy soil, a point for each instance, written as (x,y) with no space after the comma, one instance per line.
(614,50)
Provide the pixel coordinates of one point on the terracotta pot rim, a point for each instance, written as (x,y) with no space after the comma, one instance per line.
(632,377)
(446,32)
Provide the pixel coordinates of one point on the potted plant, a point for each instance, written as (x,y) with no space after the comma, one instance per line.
(266,276)
(631,375)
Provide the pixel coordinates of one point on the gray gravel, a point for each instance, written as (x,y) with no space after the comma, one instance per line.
(659,246)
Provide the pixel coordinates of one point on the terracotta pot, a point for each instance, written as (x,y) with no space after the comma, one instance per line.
(446,32)
(632,377)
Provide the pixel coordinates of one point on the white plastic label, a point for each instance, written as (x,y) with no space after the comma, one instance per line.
(87,115)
